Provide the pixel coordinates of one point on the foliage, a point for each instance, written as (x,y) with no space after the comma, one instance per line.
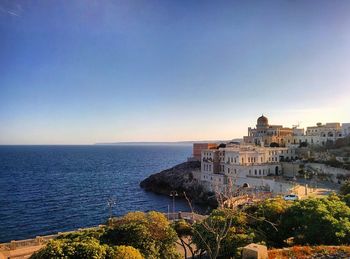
(266,220)
(318,221)
(346,199)
(184,232)
(342,142)
(82,235)
(310,252)
(345,188)
(222,233)
(334,163)
(183,228)
(150,232)
(136,235)
(310,221)
(126,252)
(87,247)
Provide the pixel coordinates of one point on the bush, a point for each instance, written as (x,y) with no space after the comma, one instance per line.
(224,231)
(68,248)
(266,221)
(345,188)
(126,252)
(150,232)
(318,221)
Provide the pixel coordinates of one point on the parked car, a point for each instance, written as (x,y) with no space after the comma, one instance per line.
(291,197)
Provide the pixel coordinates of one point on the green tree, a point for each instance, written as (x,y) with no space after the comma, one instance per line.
(346,199)
(266,220)
(318,221)
(73,248)
(150,232)
(345,188)
(126,252)
(185,232)
(222,233)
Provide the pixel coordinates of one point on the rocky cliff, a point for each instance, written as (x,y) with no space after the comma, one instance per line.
(179,178)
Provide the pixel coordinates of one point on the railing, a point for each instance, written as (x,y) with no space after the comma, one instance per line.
(18,244)
(188,216)
(39,240)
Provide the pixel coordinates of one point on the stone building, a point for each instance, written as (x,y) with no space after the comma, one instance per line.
(197,150)
(345,129)
(265,134)
(321,134)
(277,135)
(243,165)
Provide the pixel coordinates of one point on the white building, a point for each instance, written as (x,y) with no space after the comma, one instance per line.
(265,134)
(345,129)
(321,134)
(276,135)
(243,165)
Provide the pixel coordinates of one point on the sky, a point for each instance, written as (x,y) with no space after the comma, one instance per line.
(81,72)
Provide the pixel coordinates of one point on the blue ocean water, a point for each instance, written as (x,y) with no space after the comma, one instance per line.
(46,189)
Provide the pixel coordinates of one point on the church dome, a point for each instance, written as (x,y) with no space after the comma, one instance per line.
(262,120)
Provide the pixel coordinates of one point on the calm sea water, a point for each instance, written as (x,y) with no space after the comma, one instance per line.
(46,189)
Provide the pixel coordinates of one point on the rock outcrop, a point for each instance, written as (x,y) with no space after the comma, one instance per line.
(181,179)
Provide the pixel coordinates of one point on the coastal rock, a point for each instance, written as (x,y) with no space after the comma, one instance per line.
(179,178)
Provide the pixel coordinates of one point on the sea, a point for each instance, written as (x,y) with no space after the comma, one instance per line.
(50,189)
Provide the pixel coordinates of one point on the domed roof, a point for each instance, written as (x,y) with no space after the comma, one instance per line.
(262,120)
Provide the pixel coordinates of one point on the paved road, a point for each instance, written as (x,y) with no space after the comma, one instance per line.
(21,253)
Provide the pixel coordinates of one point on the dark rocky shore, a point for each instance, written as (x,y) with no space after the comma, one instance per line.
(179,178)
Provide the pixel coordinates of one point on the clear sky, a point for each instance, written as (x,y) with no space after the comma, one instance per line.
(80,72)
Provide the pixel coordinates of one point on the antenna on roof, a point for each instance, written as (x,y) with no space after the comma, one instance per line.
(297,125)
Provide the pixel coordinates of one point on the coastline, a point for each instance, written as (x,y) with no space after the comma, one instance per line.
(180,178)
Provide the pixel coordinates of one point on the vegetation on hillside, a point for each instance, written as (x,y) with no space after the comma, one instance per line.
(311,252)
(135,235)
(274,222)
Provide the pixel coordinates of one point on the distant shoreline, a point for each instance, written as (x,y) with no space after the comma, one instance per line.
(190,142)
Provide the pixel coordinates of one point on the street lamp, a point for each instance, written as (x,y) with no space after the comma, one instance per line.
(111,202)
(305,178)
(173,194)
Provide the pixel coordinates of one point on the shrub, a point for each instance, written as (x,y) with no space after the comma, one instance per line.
(127,252)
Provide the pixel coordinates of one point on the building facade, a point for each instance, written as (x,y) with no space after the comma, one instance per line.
(277,135)
(265,134)
(346,129)
(243,165)
(321,134)
(197,150)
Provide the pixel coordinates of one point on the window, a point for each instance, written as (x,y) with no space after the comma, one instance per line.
(256,172)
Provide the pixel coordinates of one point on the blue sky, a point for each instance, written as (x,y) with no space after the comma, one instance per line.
(80,72)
